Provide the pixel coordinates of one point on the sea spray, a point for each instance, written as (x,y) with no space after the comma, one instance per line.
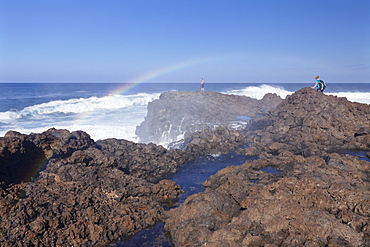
(112,116)
(257,92)
(35,107)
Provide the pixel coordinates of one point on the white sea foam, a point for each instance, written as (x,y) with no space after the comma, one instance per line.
(360,97)
(96,132)
(8,115)
(113,116)
(80,106)
(257,92)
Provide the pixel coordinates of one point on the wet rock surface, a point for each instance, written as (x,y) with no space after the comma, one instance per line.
(182,113)
(316,197)
(218,141)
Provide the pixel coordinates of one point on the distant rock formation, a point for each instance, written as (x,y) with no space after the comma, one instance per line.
(176,114)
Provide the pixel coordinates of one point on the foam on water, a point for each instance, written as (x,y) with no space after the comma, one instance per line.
(257,92)
(81,105)
(117,115)
(113,116)
(360,97)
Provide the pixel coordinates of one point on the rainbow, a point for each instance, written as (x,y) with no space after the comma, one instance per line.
(147,77)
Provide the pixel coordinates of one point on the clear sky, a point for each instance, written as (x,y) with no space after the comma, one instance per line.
(182,41)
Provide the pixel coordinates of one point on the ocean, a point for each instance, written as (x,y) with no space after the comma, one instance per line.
(113,110)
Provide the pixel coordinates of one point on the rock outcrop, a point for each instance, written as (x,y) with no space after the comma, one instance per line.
(61,189)
(221,140)
(310,123)
(177,114)
(301,192)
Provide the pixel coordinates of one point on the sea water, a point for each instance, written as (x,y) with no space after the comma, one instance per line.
(190,177)
(113,110)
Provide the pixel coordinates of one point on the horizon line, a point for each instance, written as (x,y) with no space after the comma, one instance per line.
(169,82)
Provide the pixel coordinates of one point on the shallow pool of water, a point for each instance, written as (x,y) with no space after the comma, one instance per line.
(359,154)
(271,170)
(190,177)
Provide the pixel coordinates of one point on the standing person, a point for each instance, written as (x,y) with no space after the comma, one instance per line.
(202,84)
(319,84)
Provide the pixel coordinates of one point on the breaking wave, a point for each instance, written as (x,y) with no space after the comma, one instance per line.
(360,97)
(257,92)
(79,106)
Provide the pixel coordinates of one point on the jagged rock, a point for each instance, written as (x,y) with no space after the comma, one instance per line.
(315,197)
(18,156)
(211,210)
(311,122)
(176,114)
(309,202)
(218,141)
(362,131)
(147,161)
(60,188)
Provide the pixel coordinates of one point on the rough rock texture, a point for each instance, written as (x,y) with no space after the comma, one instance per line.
(177,114)
(309,203)
(218,141)
(316,196)
(309,123)
(62,189)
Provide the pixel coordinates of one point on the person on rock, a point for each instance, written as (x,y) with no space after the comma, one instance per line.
(202,84)
(319,84)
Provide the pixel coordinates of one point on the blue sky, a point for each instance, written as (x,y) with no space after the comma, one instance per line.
(182,41)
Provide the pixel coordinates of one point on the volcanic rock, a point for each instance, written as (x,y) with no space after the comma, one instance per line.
(176,114)
(308,203)
(302,191)
(310,123)
(218,141)
(61,188)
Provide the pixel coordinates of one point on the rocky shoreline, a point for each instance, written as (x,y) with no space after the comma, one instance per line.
(62,188)
(318,198)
